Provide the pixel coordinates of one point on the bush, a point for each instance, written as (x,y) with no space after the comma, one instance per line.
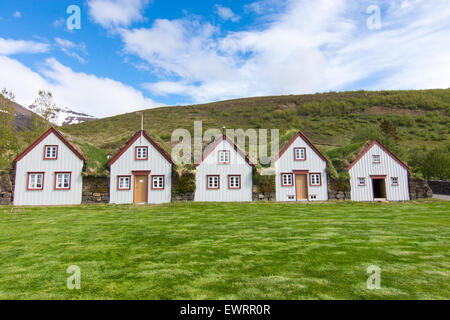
(184,182)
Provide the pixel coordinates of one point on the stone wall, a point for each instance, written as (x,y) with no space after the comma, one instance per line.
(419,189)
(180,197)
(268,196)
(95,190)
(339,189)
(440,187)
(5,189)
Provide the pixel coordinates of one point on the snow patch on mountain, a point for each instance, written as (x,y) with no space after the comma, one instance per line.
(62,116)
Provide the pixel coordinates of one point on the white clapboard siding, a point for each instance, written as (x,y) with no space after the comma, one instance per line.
(389,166)
(157,164)
(237,166)
(314,163)
(34,161)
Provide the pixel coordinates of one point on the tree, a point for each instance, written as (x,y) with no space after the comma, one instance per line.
(45,105)
(433,163)
(388,128)
(8,134)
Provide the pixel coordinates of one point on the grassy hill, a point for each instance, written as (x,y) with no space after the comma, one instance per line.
(338,123)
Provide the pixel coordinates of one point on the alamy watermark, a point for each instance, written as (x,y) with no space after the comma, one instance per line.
(374,21)
(74,281)
(374,281)
(74,20)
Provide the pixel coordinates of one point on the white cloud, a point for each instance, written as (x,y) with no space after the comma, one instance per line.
(114,13)
(312,46)
(226,13)
(17,14)
(10,46)
(72,49)
(79,91)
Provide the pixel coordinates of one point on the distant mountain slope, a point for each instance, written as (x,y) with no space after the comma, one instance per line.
(64,116)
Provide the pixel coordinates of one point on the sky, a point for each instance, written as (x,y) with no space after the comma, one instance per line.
(131,55)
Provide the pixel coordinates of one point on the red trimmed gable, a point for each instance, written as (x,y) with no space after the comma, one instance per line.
(133,140)
(375,142)
(45,135)
(216,143)
(306,140)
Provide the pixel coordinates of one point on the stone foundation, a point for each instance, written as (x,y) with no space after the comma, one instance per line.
(5,190)
(182,197)
(95,190)
(440,187)
(268,196)
(419,189)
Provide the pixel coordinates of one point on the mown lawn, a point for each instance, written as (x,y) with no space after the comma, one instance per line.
(227,251)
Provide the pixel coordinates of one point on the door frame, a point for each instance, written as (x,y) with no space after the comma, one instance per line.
(140,173)
(379,177)
(298,173)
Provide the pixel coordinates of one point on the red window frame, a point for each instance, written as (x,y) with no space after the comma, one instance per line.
(55,187)
(295,153)
(164,182)
(229,156)
(292,179)
(118,183)
(229,181)
(28,181)
(395,184)
(136,153)
(310,179)
(365,182)
(45,152)
(218,181)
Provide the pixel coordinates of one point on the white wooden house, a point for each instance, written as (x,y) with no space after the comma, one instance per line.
(49,172)
(301,172)
(376,174)
(224,174)
(141,172)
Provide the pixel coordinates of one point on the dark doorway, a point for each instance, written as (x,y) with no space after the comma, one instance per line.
(379,188)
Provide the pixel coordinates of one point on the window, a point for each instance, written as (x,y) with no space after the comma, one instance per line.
(376,158)
(224,157)
(123,183)
(50,152)
(141,153)
(62,180)
(394,181)
(361,181)
(157,182)
(299,154)
(315,179)
(213,182)
(287,179)
(35,181)
(234,182)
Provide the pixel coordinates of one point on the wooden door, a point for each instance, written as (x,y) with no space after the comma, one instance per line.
(140,189)
(301,187)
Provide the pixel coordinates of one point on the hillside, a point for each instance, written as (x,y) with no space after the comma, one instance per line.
(338,123)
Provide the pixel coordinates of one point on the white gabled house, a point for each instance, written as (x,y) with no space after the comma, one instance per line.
(376,174)
(49,172)
(224,174)
(141,172)
(301,172)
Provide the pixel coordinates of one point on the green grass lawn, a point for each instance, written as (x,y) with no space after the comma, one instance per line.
(227,251)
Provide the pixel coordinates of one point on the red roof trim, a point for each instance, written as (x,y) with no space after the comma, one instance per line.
(216,143)
(45,135)
(133,140)
(375,142)
(301,135)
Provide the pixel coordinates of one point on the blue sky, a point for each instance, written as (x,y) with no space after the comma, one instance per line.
(137,54)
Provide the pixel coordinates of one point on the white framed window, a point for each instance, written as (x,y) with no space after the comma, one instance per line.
(299,154)
(224,157)
(62,180)
(141,153)
(124,183)
(35,181)
(157,182)
(287,179)
(234,182)
(212,182)
(395,181)
(376,158)
(50,152)
(315,179)
(361,181)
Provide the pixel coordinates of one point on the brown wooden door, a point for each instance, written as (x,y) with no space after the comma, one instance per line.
(140,189)
(301,187)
